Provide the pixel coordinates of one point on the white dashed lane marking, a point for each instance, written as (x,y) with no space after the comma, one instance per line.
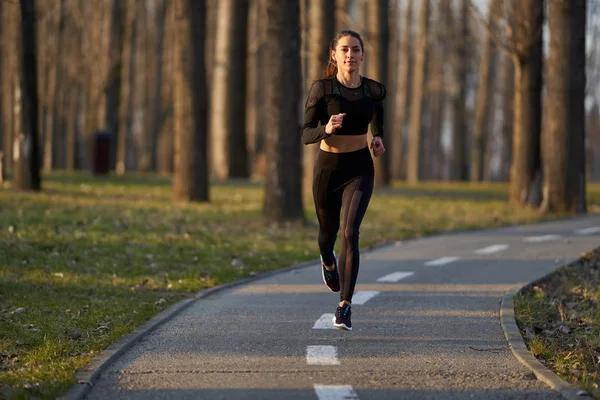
(322,355)
(542,238)
(329,392)
(492,249)
(395,277)
(588,231)
(442,261)
(363,296)
(324,322)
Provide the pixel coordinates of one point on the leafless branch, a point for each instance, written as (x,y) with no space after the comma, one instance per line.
(509,46)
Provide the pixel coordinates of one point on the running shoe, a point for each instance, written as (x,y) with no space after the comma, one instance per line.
(341,320)
(331,278)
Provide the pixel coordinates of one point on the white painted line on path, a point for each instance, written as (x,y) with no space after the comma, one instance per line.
(324,322)
(395,277)
(542,238)
(329,392)
(492,249)
(322,355)
(588,231)
(363,296)
(442,261)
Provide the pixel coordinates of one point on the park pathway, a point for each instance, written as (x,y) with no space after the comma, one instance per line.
(425,318)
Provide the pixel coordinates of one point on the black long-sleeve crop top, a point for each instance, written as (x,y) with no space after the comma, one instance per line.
(362,105)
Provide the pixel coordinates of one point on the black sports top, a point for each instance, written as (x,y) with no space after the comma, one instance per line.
(362,105)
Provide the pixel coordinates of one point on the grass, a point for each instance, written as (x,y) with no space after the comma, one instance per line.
(559,318)
(88,260)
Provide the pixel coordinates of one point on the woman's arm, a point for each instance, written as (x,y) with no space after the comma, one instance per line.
(314,108)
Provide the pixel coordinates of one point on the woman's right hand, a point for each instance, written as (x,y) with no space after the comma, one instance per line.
(335,122)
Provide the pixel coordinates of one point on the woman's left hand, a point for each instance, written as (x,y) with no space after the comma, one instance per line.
(377,146)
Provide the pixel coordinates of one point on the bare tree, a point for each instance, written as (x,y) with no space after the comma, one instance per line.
(320,33)
(482,104)
(53,40)
(165,115)
(228,120)
(27,167)
(564,134)
(378,35)
(3,89)
(283,182)
(403,88)
(525,173)
(190,179)
(459,35)
(505,86)
(415,145)
(127,69)
(8,59)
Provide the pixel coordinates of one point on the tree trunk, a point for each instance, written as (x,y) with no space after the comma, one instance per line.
(228,121)
(127,71)
(403,93)
(27,168)
(459,169)
(3,88)
(378,36)
(8,52)
(525,171)
(505,86)
(437,97)
(564,165)
(165,114)
(54,37)
(190,180)
(481,128)
(113,85)
(320,33)
(283,182)
(415,144)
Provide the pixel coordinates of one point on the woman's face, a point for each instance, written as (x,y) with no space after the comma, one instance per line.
(348,54)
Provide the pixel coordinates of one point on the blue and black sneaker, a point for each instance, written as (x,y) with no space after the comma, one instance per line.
(341,320)
(331,278)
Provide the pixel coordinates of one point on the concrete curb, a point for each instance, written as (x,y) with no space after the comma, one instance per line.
(87,377)
(519,349)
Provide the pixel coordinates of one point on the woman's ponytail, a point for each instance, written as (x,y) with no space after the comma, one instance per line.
(330,70)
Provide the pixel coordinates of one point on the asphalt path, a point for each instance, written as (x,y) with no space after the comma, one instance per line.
(425,326)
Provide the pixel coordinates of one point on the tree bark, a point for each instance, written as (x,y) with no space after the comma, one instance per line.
(165,123)
(378,35)
(190,180)
(505,87)
(403,93)
(525,172)
(127,70)
(8,52)
(3,88)
(564,149)
(27,168)
(415,145)
(228,120)
(320,33)
(283,182)
(481,128)
(459,169)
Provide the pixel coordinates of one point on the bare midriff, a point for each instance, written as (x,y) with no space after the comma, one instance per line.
(343,144)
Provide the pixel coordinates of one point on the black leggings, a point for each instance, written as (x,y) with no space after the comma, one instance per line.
(342,183)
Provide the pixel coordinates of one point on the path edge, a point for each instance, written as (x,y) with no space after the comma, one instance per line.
(519,349)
